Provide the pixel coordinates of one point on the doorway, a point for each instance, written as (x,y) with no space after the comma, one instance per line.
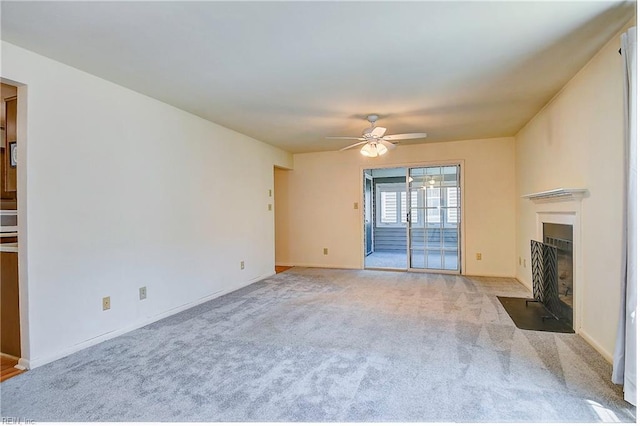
(412,218)
(10,330)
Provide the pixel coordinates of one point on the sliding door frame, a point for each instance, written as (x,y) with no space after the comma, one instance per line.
(462,247)
(458,228)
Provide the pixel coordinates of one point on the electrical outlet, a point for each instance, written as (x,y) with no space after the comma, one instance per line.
(325,251)
(270,207)
(242,264)
(143,293)
(270,193)
(355,206)
(478,256)
(106,303)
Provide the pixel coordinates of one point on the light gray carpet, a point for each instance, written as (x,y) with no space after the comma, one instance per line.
(331,345)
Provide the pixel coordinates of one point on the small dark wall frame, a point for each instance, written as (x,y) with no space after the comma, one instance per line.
(13,154)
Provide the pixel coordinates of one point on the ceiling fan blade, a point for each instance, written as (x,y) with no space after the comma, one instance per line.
(405,136)
(387,144)
(378,132)
(344,137)
(352,146)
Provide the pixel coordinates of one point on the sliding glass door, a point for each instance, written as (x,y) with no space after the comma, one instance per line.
(433,220)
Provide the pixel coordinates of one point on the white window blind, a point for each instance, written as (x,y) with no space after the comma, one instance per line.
(388,207)
(452,203)
(392,206)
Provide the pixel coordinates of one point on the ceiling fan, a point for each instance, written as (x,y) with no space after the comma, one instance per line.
(374,141)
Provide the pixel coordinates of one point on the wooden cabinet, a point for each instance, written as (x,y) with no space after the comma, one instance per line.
(9,305)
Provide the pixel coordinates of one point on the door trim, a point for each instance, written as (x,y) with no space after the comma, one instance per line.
(452,162)
(368,177)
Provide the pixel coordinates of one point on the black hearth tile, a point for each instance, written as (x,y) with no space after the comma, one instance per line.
(532,316)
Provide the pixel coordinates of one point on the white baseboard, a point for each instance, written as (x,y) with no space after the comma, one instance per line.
(28,364)
(590,340)
(524,284)
(325,266)
(314,265)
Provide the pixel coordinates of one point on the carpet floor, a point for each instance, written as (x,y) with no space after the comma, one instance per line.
(331,345)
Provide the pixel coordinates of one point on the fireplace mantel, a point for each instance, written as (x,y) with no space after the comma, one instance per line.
(559,194)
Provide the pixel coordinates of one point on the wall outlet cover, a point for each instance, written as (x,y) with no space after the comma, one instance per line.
(143,293)
(106,303)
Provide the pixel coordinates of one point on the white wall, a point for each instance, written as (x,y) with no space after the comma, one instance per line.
(323,186)
(576,141)
(124,191)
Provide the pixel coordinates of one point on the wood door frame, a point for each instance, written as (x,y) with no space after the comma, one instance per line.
(24,362)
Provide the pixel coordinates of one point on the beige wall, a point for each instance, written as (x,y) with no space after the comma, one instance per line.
(322,188)
(576,141)
(123,191)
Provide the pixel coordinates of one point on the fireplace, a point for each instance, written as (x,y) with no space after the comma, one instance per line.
(558,213)
(560,236)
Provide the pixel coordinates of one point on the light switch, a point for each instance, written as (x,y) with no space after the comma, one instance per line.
(355,206)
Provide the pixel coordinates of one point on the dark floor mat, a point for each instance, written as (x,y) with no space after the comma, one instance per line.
(530,317)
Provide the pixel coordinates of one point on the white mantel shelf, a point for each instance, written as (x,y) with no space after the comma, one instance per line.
(559,194)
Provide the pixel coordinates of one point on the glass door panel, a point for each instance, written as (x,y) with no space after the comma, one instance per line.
(433,232)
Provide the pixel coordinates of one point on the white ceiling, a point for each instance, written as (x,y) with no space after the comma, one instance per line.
(291,73)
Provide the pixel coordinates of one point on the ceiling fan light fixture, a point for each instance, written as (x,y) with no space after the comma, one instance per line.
(373,149)
(374,141)
(369,151)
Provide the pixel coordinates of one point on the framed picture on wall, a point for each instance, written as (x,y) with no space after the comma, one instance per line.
(13,154)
